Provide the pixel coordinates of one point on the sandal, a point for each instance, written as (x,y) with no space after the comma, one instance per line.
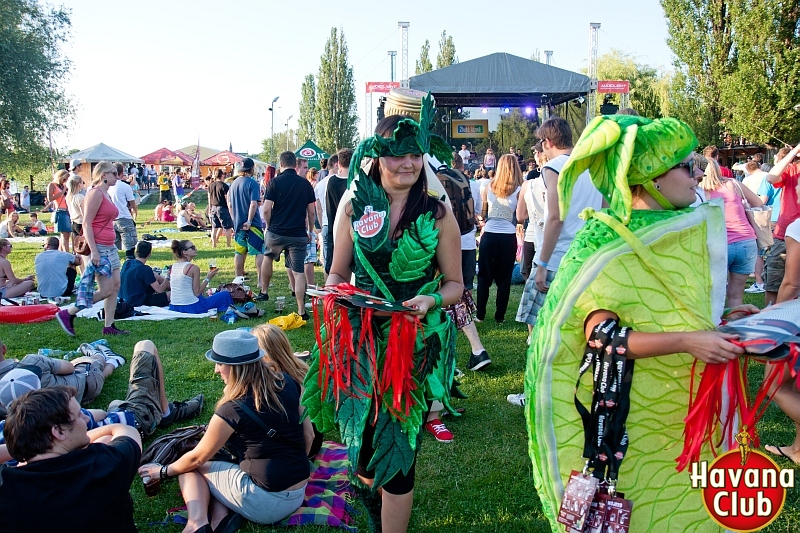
(781,453)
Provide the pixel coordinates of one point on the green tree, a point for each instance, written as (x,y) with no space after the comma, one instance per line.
(760,95)
(701,37)
(306,122)
(424,64)
(447,51)
(335,113)
(514,129)
(280,143)
(33,67)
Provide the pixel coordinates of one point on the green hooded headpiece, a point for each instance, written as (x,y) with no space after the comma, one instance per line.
(624,150)
(409,137)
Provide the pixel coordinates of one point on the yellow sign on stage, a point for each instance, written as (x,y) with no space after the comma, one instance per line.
(478,128)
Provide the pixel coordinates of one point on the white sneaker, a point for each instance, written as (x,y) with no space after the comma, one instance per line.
(516,399)
(755,288)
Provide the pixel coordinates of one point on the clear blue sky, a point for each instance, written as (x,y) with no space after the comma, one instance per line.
(149,74)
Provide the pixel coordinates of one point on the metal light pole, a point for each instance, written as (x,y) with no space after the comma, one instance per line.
(287,132)
(272,130)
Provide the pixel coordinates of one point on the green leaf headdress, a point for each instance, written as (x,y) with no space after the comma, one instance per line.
(409,137)
(624,150)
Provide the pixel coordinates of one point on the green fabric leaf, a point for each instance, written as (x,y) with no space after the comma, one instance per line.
(352,416)
(368,193)
(432,286)
(410,260)
(393,453)
(319,410)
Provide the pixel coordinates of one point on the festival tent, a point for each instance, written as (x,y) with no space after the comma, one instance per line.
(501,80)
(96,154)
(221,159)
(312,153)
(205,152)
(165,156)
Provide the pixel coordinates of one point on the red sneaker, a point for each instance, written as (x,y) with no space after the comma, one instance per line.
(439,430)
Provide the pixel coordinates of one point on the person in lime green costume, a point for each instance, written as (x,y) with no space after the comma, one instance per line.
(400,243)
(654,265)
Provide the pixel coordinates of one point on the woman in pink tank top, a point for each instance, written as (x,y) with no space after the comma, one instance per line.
(742,249)
(99,213)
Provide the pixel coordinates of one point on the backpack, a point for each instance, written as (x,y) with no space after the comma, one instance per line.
(171,446)
(458,190)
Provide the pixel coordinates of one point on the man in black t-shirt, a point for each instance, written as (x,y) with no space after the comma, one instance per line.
(74,479)
(333,195)
(219,213)
(289,214)
(139,285)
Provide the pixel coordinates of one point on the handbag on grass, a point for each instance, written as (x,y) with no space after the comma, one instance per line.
(759,218)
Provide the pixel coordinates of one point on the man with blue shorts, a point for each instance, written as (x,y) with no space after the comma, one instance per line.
(244,197)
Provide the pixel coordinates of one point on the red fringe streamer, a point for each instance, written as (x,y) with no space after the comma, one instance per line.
(336,351)
(705,409)
(398,366)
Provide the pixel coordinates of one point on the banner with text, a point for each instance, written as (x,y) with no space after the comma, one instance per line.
(470,129)
(614,86)
(382,86)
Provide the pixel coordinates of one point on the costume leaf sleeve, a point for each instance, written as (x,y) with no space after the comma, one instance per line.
(390,457)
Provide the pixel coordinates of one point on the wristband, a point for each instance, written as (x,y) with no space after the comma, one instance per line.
(163,473)
(206,280)
(541,264)
(437,299)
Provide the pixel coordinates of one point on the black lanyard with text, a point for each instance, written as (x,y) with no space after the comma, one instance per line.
(605,435)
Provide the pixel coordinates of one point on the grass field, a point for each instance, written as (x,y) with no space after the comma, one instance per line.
(481,482)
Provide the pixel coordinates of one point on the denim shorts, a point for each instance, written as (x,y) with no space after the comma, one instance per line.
(110,252)
(63,223)
(236,490)
(742,257)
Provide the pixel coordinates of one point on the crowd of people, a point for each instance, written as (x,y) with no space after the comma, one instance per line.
(379,222)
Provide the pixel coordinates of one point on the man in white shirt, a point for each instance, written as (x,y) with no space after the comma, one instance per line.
(55,270)
(464,153)
(73,168)
(124,225)
(556,138)
(25,199)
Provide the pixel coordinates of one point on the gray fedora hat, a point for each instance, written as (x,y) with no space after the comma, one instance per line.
(234,347)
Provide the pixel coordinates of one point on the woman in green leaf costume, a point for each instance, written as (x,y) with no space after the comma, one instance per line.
(652,264)
(374,375)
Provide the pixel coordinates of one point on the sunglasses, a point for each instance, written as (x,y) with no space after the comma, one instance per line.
(687,165)
(192,247)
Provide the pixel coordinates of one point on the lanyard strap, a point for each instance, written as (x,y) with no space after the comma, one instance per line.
(605,435)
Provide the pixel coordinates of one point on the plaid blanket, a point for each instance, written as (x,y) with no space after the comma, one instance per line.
(328,491)
(327,495)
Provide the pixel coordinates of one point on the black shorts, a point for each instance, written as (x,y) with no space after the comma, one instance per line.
(295,250)
(77,229)
(221,217)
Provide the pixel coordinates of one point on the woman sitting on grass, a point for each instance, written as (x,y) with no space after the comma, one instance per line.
(259,415)
(186,222)
(187,289)
(163,212)
(11,285)
(278,351)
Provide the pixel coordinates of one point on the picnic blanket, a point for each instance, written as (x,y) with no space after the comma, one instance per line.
(153,313)
(328,491)
(327,496)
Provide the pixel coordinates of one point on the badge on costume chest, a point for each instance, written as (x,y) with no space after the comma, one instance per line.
(370,222)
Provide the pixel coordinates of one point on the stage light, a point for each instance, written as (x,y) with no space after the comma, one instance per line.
(506,110)
(459,110)
(484,110)
(528,110)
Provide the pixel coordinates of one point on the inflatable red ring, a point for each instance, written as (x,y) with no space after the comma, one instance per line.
(25,314)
